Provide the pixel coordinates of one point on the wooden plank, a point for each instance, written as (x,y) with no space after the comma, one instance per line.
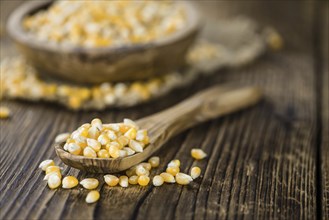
(324,111)
(261,164)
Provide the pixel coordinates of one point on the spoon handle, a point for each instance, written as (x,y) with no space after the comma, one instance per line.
(205,105)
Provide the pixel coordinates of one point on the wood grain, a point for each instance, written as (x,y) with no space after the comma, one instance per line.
(262,162)
(324,109)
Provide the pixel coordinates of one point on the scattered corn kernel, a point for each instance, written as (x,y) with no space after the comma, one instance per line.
(111,180)
(183,179)
(133,180)
(51,169)
(89,183)
(154,161)
(173,170)
(147,166)
(49,174)
(168,178)
(158,180)
(198,154)
(4,112)
(123,181)
(62,137)
(143,180)
(140,170)
(92,196)
(195,172)
(46,163)
(54,181)
(174,163)
(69,182)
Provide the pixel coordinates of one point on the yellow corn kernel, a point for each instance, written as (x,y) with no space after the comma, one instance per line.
(131,171)
(51,169)
(136,146)
(114,151)
(129,151)
(146,140)
(89,183)
(93,132)
(54,181)
(123,140)
(147,166)
(124,128)
(123,181)
(173,170)
(174,163)
(103,153)
(130,123)
(157,180)
(103,139)
(198,154)
(69,182)
(74,102)
(195,172)
(133,180)
(112,135)
(97,123)
(111,180)
(141,135)
(89,152)
(183,179)
(154,161)
(140,170)
(95,145)
(131,133)
(4,112)
(49,174)
(62,137)
(84,130)
(143,180)
(92,196)
(46,163)
(74,149)
(168,178)
(122,153)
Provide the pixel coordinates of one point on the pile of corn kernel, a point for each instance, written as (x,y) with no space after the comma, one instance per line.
(98,140)
(105,23)
(138,174)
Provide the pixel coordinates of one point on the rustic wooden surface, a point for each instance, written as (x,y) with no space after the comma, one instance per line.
(270,161)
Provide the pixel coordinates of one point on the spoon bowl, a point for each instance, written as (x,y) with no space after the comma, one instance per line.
(205,105)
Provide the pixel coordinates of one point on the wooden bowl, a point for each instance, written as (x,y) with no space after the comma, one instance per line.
(107,64)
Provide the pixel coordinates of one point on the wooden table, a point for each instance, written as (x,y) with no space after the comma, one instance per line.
(271,161)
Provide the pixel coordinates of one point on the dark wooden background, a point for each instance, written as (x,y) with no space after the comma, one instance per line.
(271,161)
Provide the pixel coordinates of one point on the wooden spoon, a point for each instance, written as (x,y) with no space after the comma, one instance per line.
(205,105)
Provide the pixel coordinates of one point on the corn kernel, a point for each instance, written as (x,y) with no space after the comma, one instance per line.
(62,137)
(103,139)
(69,182)
(130,123)
(195,172)
(173,170)
(143,180)
(158,180)
(111,180)
(174,163)
(141,135)
(103,153)
(147,166)
(154,161)
(168,178)
(4,112)
(122,153)
(54,181)
(140,170)
(49,174)
(131,133)
(95,145)
(129,151)
(123,140)
(97,123)
(46,163)
(74,149)
(93,132)
(198,154)
(183,179)
(114,151)
(89,183)
(111,135)
(92,196)
(51,169)
(123,181)
(89,152)
(136,146)
(133,180)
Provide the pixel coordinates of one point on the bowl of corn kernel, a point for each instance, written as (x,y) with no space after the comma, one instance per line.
(104,41)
